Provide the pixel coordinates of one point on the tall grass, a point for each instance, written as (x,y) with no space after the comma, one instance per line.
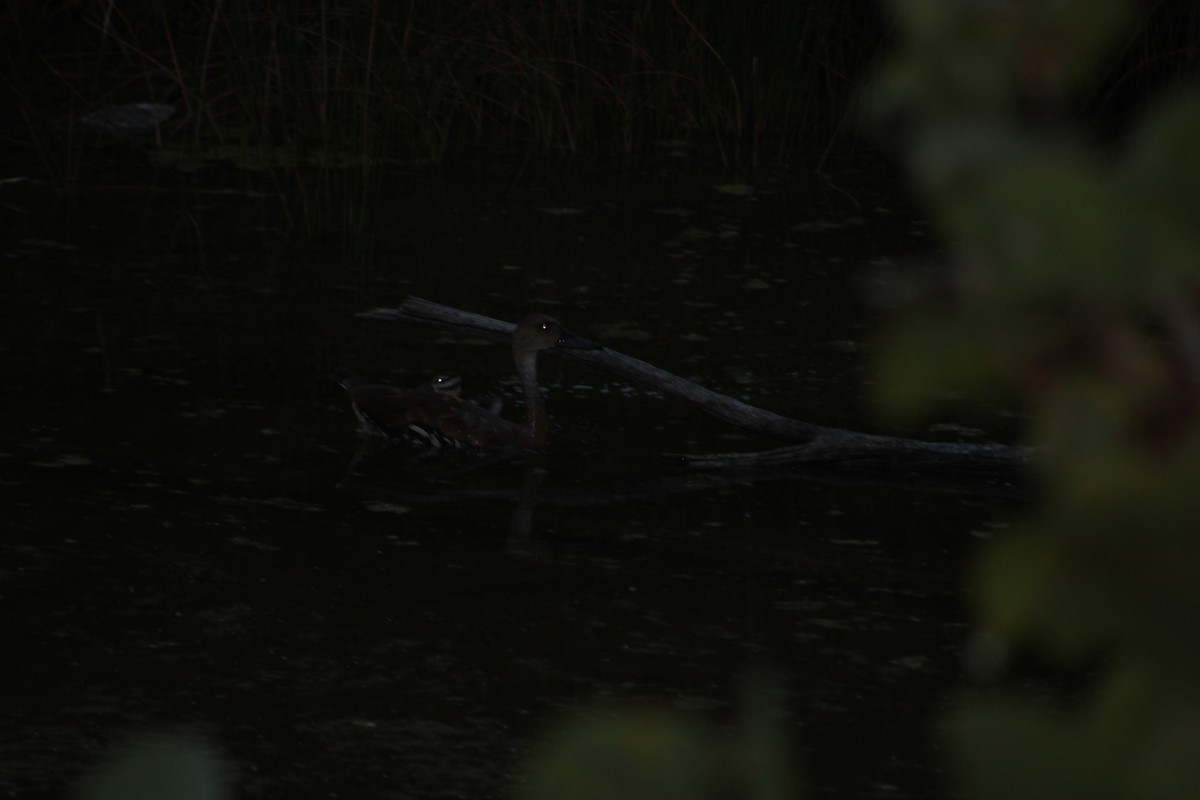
(322,93)
(348,81)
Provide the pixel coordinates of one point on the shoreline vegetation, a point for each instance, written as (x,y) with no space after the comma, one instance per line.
(343,85)
(356,83)
(318,102)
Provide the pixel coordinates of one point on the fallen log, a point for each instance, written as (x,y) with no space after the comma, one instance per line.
(809,444)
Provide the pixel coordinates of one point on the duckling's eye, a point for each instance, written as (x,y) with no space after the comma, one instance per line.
(546,326)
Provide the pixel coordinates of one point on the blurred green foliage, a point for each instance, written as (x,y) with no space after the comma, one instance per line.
(644,753)
(1073,288)
(157,767)
(638,755)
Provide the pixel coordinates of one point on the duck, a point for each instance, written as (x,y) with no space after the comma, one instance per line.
(450,383)
(446,383)
(435,413)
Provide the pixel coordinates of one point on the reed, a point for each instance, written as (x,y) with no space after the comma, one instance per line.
(322,94)
(557,74)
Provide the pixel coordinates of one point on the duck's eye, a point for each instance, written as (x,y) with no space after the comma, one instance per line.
(547,326)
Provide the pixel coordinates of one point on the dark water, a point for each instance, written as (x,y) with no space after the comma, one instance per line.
(180,560)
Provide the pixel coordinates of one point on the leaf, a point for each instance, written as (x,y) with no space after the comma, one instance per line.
(927,359)
(635,755)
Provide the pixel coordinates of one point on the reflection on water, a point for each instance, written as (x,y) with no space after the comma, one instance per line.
(182,552)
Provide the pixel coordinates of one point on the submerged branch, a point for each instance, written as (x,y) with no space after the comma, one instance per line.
(812,444)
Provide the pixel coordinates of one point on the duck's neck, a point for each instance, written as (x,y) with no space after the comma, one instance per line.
(537,424)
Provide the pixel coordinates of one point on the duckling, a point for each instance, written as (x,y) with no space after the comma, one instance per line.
(437,415)
(451,383)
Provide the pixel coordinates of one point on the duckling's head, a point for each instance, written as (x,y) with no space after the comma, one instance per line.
(447,383)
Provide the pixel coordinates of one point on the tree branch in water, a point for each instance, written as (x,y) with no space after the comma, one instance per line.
(809,444)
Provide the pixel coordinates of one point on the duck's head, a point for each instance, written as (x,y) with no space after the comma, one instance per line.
(447,383)
(543,332)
